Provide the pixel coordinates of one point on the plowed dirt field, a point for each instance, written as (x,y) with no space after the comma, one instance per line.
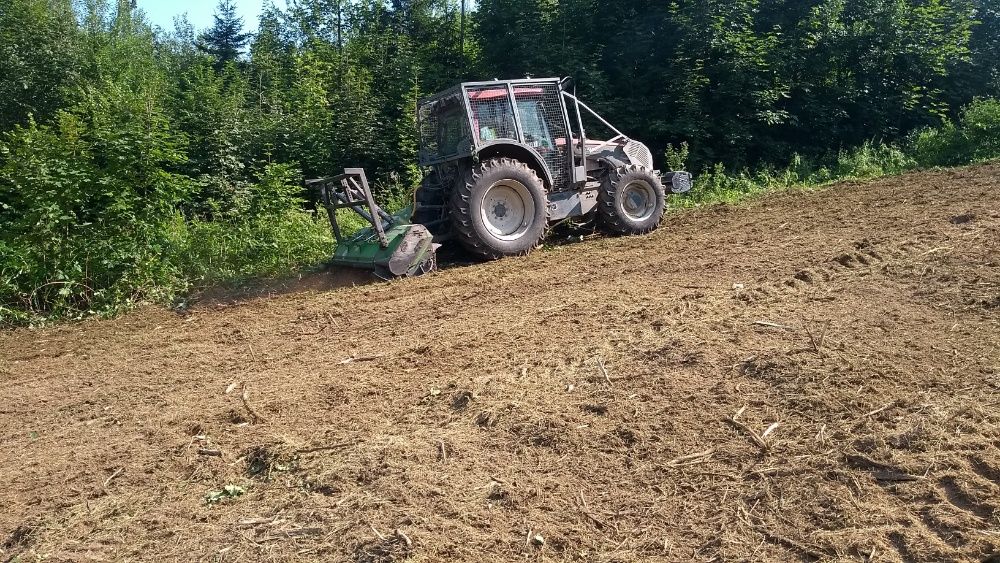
(808,376)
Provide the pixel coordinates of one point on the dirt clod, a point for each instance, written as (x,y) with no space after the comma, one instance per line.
(19,537)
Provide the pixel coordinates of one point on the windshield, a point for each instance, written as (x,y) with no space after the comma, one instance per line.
(493,118)
(536,130)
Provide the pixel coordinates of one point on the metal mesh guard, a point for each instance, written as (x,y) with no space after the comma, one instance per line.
(492,113)
(444,125)
(639,154)
(541,115)
(444,129)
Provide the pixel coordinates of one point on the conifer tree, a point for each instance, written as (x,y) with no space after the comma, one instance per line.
(225,40)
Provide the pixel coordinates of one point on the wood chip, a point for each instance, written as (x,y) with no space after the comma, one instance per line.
(688,459)
(772,325)
(113,476)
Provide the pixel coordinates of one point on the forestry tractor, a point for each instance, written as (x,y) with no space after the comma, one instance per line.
(503,161)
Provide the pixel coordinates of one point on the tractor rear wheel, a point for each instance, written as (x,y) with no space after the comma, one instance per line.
(501,209)
(631,201)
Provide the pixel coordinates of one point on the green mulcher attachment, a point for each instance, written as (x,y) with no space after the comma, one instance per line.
(392,247)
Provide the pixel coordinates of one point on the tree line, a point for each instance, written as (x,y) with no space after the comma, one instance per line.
(136,161)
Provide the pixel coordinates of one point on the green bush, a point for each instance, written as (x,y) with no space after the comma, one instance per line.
(268,234)
(974,138)
(939,146)
(85,205)
(90,222)
(981,126)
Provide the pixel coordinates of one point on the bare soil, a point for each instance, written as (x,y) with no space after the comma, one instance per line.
(577,404)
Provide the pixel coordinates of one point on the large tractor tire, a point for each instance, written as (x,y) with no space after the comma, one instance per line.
(631,201)
(501,209)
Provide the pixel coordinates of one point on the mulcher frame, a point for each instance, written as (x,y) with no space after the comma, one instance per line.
(391,247)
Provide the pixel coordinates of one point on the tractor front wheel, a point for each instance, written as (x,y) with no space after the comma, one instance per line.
(500,209)
(631,201)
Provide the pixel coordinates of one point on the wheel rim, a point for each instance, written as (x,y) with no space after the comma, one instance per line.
(638,200)
(508,210)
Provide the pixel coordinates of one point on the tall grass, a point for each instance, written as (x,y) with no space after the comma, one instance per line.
(717,185)
(213,252)
(975,137)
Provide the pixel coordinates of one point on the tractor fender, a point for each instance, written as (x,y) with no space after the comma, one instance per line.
(519,152)
(611,163)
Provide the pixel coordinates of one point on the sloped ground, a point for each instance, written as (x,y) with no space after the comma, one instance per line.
(573,405)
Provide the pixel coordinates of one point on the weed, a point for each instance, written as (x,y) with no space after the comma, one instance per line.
(227,492)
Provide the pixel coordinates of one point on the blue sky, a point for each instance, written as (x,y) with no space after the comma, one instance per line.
(162,12)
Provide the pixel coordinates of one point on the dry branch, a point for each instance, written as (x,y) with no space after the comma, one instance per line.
(935,250)
(878,410)
(894,476)
(817,343)
(245,396)
(377,533)
(688,459)
(292,533)
(328,448)
(113,476)
(251,522)
(302,531)
(747,430)
(352,359)
(586,512)
(604,370)
(804,549)
(772,325)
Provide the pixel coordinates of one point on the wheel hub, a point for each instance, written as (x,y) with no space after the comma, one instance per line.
(638,200)
(508,210)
